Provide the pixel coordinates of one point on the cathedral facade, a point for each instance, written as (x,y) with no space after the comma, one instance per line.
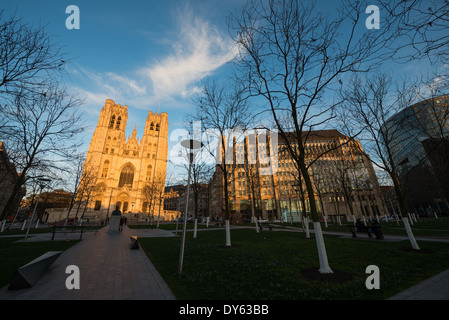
(126,172)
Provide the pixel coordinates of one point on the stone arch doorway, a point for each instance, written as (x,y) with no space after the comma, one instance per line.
(123,202)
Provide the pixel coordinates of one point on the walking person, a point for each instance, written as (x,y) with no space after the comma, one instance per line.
(122,221)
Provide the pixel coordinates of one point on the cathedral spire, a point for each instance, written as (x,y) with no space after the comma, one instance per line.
(134,132)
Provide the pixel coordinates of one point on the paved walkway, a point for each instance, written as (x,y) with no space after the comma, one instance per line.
(109,269)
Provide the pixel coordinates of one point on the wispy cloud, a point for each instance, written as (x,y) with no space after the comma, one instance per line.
(198,52)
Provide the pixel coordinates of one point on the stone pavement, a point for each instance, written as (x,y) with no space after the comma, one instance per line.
(434,288)
(109,270)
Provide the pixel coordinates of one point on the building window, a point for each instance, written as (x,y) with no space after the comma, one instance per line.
(111,123)
(126,177)
(97,205)
(119,120)
(104,174)
(149,170)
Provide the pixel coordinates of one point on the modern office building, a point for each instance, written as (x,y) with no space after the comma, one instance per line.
(263,180)
(420,146)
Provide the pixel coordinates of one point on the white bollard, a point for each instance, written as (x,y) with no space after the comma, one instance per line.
(410,235)
(195,228)
(410,220)
(306,222)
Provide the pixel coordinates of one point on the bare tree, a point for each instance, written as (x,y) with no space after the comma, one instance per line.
(291,55)
(75,175)
(29,59)
(421,29)
(370,110)
(223,112)
(45,126)
(87,187)
(153,193)
(38,118)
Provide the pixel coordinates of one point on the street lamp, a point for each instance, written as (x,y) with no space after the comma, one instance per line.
(42,185)
(192,145)
(159,215)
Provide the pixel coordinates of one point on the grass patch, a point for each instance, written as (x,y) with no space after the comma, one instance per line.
(16,254)
(283,266)
(169,226)
(424,227)
(40,230)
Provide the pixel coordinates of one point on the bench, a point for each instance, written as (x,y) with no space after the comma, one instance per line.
(27,275)
(65,228)
(376,230)
(134,242)
(267,225)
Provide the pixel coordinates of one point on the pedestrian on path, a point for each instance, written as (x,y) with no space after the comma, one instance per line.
(122,221)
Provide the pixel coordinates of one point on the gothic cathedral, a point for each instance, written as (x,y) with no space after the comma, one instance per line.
(128,173)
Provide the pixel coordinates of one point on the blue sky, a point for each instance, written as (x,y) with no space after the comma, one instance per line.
(145,53)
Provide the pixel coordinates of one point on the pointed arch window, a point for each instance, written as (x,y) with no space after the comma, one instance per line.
(157,127)
(104,173)
(119,120)
(126,177)
(149,171)
(152,126)
(112,121)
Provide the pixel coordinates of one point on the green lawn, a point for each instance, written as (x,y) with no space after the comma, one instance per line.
(40,230)
(170,226)
(424,227)
(15,254)
(282,266)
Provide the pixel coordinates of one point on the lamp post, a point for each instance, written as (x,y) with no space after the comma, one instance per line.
(42,185)
(159,214)
(300,214)
(192,145)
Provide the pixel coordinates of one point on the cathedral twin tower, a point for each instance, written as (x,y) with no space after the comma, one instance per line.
(127,173)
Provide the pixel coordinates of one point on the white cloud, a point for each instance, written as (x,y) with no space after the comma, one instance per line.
(197,51)
(200,50)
